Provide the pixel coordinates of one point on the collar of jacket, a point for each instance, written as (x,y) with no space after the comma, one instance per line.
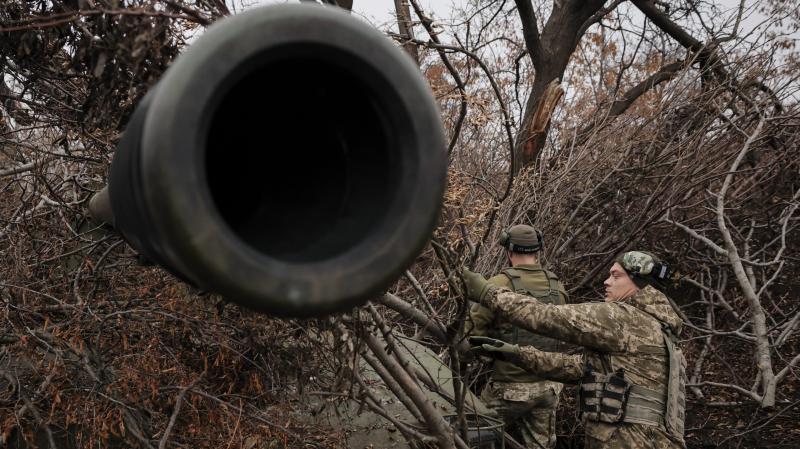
(656,304)
(528,266)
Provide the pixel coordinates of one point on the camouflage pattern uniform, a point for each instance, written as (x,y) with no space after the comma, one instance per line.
(526,402)
(623,335)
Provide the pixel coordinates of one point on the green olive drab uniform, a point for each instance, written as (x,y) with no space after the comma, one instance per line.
(631,373)
(526,402)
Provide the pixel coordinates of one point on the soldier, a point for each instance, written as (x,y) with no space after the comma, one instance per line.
(632,373)
(526,402)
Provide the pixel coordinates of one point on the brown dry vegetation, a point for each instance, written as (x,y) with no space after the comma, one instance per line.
(98,350)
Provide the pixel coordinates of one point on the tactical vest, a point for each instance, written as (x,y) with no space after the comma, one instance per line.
(513,334)
(610,398)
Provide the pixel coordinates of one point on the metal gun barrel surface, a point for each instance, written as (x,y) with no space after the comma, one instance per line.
(292,159)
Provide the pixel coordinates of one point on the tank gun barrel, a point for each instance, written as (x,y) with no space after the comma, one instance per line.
(292,159)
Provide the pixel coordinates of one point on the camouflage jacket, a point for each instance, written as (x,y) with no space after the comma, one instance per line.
(614,335)
(484,322)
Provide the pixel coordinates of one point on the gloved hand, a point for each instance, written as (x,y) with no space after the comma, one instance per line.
(494,348)
(478,288)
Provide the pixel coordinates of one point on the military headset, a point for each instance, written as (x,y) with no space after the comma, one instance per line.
(505,242)
(643,265)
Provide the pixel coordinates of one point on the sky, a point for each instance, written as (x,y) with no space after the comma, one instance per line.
(381,12)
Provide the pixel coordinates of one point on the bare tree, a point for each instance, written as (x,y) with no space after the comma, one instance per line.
(610,125)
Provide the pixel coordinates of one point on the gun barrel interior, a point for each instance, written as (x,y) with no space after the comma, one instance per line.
(299,159)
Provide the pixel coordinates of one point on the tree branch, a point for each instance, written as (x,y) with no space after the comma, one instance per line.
(530,31)
(434,420)
(427,23)
(662,20)
(621,105)
(748,393)
(596,17)
(23,168)
(416,315)
(420,292)
(787,368)
(373,402)
(665,73)
(392,384)
(717,249)
(756,310)
(162,444)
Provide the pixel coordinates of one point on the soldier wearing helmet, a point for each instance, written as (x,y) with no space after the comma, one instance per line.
(631,372)
(526,402)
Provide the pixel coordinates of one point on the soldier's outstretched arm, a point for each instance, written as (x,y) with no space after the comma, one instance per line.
(556,366)
(599,326)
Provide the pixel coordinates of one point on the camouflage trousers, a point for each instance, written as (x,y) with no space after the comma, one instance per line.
(527,409)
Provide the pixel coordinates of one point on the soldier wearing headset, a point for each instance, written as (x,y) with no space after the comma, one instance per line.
(632,372)
(525,401)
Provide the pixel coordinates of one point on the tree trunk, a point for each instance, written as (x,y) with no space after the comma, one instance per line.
(550,52)
(404,26)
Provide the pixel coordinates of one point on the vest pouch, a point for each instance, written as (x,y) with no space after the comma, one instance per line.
(604,396)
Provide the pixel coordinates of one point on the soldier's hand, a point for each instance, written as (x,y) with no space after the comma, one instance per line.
(478,288)
(494,348)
